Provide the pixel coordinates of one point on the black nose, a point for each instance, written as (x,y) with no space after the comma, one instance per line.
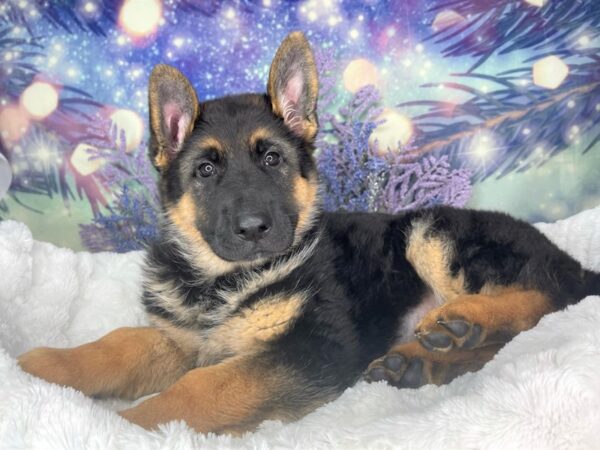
(252,226)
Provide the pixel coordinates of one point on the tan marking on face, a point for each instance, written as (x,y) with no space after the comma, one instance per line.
(431,257)
(258,135)
(305,195)
(183,215)
(210,142)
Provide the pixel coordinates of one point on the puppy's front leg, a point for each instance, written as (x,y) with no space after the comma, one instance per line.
(230,397)
(126,363)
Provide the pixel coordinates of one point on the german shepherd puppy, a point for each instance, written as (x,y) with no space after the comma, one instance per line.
(264,307)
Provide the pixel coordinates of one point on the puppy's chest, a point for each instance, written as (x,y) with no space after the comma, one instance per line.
(230,327)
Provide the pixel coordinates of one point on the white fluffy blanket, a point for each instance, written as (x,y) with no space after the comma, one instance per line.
(541,391)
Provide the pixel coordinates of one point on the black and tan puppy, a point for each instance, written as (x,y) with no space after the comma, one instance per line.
(264,307)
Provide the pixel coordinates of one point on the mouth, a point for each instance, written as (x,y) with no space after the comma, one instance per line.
(248,252)
(259,255)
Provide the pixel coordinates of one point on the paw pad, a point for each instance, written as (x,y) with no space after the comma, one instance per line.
(445,334)
(397,370)
(458,328)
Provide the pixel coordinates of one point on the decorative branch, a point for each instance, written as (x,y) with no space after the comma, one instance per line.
(516,126)
(72,16)
(505,118)
(503,26)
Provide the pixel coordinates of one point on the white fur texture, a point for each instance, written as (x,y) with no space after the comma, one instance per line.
(541,391)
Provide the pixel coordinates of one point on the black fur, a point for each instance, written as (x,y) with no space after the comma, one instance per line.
(357,282)
(242,183)
(361,283)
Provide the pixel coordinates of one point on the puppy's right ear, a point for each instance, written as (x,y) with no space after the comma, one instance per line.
(173,110)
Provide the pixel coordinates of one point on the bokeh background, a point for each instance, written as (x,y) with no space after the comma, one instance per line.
(492,104)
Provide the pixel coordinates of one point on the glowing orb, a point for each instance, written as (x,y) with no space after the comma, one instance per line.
(140,18)
(446,19)
(538,3)
(14,122)
(5,176)
(131,124)
(39,99)
(89,8)
(550,72)
(83,161)
(483,147)
(393,133)
(359,73)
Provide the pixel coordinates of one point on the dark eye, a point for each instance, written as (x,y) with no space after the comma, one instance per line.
(272,158)
(206,170)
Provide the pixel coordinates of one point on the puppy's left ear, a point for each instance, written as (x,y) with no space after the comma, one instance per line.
(293,86)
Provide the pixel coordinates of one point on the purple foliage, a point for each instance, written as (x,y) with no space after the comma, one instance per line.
(132,219)
(355,176)
(347,165)
(130,224)
(348,169)
(122,166)
(427,182)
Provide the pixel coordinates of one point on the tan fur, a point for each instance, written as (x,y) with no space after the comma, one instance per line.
(431,257)
(270,317)
(305,195)
(494,289)
(183,215)
(500,316)
(224,398)
(133,362)
(244,333)
(170,299)
(258,280)
(161,160)
(126,363)
(162,71)
(191,315)
(258,135)
(209,142)
(438,368)
(187,339)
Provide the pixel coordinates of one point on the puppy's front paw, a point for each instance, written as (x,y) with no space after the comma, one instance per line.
(50,364)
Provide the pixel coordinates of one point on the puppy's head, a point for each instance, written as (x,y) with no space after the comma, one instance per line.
(237,179)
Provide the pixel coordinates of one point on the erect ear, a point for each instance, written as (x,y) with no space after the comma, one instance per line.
(293,86)
(173,110)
